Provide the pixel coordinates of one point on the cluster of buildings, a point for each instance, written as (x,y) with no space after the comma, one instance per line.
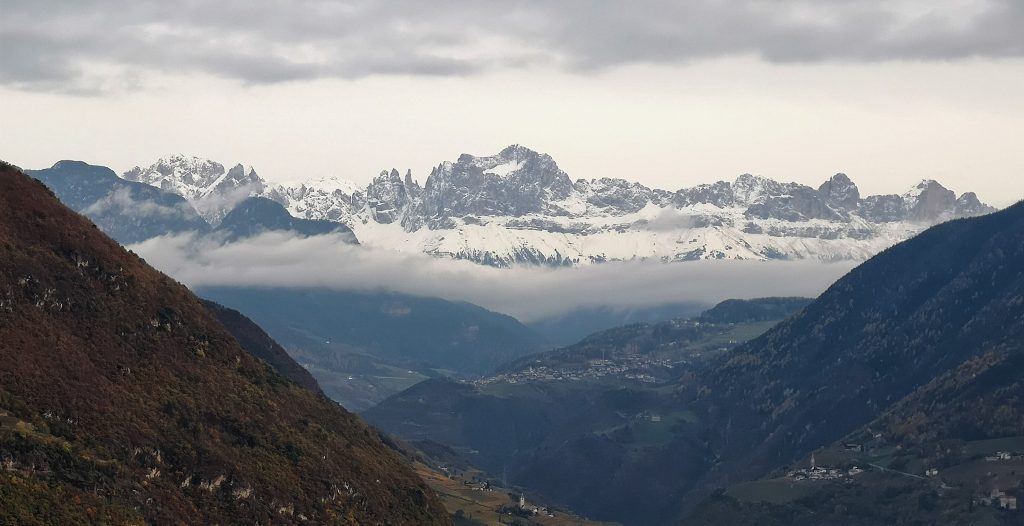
(816,472)
(534,510)
(634,367)
(1003,455)
(997,498)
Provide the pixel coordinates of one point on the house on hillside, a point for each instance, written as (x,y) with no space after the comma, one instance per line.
(999,499)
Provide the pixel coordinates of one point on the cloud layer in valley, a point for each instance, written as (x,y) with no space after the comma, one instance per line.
(98,45)
(528,293)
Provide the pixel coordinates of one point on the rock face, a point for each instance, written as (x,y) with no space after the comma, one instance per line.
(388,197)
(840,192)
(515,182)
(124,401)
(213,190)
(518,206)
(365,346)
(928,201)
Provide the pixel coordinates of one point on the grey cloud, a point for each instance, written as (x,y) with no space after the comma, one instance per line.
(528,293)
(52,45)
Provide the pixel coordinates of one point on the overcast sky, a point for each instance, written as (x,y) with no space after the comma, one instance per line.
(665,92)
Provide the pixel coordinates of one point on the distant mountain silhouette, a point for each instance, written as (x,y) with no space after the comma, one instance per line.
(256,215)
(127,211)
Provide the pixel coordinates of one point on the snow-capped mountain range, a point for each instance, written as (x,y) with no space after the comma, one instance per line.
(518,207)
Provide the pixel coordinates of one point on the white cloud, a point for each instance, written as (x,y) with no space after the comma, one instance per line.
(216,205)
(123,202)
(528,293)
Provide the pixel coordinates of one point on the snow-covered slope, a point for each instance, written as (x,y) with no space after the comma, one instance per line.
(212,190)
(518,207)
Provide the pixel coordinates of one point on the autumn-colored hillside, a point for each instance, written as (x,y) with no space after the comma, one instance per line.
(124,401)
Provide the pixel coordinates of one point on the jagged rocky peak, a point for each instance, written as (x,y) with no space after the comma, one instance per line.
(718,194)
(513,182)
(929,200)
(841,192)
(330,198)
(792,202)
(508,161)
(520,163)
(211,189)
(544,212)
(968,205)
(619,196)
(883,208)
(749,189)
(244,176)
(389,194)
(178,172)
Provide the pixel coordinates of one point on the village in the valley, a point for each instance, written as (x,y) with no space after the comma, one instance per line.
(638,368)
(991,476)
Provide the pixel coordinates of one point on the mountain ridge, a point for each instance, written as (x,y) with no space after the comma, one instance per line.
(123,400)
(128,211)
(917,349)
(518,206)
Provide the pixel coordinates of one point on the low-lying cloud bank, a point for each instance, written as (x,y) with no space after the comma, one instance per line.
(528,293)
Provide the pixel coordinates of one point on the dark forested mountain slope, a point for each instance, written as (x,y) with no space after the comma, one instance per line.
(259,344)
(918,347)
(124,401)
(364,346)
(916,360)
(428,332)
(890,326)
(256,215)
(570,327)
(935,457)
(754,310)
(599,426)
(125,210)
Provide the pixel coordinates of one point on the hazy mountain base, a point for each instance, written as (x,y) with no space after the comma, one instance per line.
(571,327)
(599,445)
(132,212)
(365,346)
